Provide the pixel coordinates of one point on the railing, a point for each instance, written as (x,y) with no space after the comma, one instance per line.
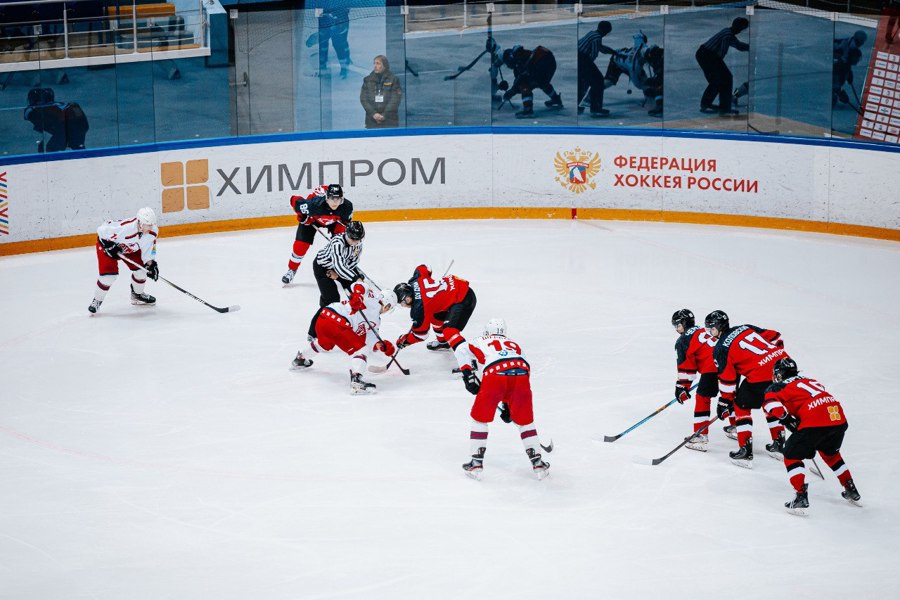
(136,29)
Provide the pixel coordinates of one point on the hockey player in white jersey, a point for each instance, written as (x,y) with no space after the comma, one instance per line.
(134,239)
(351,325)
(504,378)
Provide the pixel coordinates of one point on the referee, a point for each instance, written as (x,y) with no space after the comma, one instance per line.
(336,263)
(711,57)
(589,76)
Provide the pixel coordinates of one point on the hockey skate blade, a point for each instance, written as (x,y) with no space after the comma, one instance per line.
(854,502)
(799,512)
(476,474)
(697,447)
(541,473)
(776,455)
(744,464)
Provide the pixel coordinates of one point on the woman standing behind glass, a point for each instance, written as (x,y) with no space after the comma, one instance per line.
(380,95)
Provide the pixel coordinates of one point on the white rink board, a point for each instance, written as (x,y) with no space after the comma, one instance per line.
(782,180)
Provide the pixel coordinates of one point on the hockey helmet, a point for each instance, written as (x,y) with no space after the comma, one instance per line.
(717,319)
(684,316)
(509,56)
(388,301)
(334,191)
(784,369)
(403,291)
(356,231)
(146,216)
(739,25)
(495,327)
(604,27)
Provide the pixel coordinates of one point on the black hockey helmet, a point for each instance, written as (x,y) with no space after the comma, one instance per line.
(604,27)
(334,191)
(355,230)
(403,291)
(784,369)
(717,319)
(739,25)
(683,316)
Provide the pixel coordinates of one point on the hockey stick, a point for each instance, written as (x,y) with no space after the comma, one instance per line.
(462,70)
(612,438)
(689,438)
(393,358)
(815,468)
(233,308)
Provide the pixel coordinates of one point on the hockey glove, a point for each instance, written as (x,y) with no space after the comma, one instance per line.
(472,385)
(407,339)
(790,422)
(152,270)
(723,409)
(682,394)
(386,347)
(503,86)
(504,413)
(508,95)
(110,248)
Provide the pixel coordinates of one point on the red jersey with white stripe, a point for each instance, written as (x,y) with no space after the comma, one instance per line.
(127,234)
(433,296)
(497,354)
(806,399)
(748,351)
(694,352)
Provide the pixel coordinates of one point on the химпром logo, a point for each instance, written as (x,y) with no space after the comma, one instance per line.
(575,169)
(184,184)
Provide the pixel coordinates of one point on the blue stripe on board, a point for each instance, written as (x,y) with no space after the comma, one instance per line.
(427,131)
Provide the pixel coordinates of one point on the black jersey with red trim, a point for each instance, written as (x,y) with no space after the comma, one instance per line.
(694,353)
(314,210)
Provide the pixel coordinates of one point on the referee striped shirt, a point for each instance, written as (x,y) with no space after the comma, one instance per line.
(719,43)
(591,44)
(341,257)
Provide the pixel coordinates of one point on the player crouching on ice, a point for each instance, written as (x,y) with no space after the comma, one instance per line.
(135,240)
(351,325)
(504,378)
(443,305)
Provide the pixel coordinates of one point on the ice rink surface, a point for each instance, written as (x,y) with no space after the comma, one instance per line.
(168,452)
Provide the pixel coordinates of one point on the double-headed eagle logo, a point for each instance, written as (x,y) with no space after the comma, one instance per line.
(576,168)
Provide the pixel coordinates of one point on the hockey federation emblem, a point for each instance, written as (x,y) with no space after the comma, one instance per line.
(575,170)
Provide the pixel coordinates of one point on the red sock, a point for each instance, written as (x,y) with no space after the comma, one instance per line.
(796,473)
(297,254)
(836,462)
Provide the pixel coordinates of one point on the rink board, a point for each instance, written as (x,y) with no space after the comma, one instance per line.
(231,184)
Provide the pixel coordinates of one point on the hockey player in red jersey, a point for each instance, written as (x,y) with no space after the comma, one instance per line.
(134,239)
(504,378)
(443,305)
(694,354)
(817,422)
(325,207)
(351,325)
(750,352)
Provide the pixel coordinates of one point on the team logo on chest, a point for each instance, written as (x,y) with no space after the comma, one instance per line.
(575,169)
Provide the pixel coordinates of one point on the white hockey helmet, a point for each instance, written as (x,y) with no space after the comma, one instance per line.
(388,299)
(146,216)
(495,327)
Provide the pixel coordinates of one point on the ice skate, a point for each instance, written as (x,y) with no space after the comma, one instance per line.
(475,467)
(730,432)
(300,362)
(743,456)
(142,299)
(541,468)
(525,113)
(437,345)
(554,102)
(600,113)
(288,277)
(799,506)
(358,386)
(699,443)
(95,304)
(850,493)
(776,448)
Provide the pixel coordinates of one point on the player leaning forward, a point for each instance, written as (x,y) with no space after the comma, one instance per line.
(504,378)
(132,239)
(351,325)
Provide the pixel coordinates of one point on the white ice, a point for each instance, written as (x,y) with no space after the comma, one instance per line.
(168,452)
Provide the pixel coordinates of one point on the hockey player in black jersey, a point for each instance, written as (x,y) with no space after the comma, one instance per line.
(325,207)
